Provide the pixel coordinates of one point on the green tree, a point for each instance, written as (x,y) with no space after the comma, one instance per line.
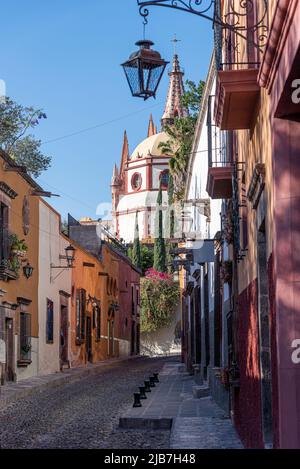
(181,133)
(15,122)
(170,225)
(147,256)
(136,250)
(159,263)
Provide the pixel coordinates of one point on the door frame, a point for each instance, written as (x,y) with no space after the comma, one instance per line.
(9,373)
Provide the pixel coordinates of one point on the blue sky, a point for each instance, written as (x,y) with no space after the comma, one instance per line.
(64,56)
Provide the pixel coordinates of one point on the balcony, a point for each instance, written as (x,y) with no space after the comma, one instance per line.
(220,167)
(236,99)
(219,182)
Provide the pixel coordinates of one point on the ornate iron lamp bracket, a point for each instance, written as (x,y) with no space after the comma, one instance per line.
(210,10)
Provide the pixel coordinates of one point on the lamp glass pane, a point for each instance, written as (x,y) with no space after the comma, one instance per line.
(132,73)
(155,77)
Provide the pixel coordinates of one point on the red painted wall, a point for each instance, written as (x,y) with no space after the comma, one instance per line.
(274,361)
(247,399)
(128,277)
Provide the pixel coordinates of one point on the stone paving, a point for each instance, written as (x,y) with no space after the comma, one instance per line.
(83,413)
(82,409)
(196,423)
(12,392)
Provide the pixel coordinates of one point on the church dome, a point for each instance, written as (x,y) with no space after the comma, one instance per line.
(150,146)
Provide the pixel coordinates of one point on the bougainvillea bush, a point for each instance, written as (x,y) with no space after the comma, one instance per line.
(159,298)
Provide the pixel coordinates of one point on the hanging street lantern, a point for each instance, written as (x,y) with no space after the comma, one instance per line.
(144,70)
(70,255)
(28,270)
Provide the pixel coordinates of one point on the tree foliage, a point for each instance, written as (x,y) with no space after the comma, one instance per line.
(159,263)
(181,133)
(136,250)
(15,122)
(159,298)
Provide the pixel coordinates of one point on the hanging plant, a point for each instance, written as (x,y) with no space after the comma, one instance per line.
(159,298)
(18,247)
(224,377)
(226,272)
(228,227)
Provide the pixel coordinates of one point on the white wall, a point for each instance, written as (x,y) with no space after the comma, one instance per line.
(51,282)
(162,342)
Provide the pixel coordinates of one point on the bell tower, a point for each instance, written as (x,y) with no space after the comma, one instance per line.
(174,107)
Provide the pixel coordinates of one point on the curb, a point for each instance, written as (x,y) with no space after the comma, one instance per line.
(28,387)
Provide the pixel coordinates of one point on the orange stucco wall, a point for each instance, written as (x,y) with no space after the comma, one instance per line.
(88,278)
(22,287)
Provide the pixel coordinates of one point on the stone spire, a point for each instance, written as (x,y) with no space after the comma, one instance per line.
(115,177)
(151,128)
(125,154)
(174,107)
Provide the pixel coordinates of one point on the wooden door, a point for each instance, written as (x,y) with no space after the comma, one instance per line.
(89,339)
(9,339)
(64,334)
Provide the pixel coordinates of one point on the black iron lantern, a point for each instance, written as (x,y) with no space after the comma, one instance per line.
(28,270)
(70,255)
(144,70)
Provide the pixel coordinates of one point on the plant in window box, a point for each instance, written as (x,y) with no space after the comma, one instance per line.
(224,377)
(234,375)
(226,272)
(26,348)
(18,246)
(228,227)
(9,268)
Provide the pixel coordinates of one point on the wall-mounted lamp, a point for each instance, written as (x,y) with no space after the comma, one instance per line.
(28,270)
(69,257)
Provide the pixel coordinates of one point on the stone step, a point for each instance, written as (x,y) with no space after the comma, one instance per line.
(201,391)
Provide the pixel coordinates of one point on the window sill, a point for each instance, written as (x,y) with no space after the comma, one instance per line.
(23,363)
(79,342)
(7,274)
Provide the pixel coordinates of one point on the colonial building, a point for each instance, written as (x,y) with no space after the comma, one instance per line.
(54,305)
(135,184)
(105,296)
(249,340)
(19,271)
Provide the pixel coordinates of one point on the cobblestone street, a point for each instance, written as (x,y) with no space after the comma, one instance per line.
(84,414)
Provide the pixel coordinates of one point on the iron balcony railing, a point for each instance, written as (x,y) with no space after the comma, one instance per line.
(217,140)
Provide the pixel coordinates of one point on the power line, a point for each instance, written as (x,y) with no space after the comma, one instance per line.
(87,129)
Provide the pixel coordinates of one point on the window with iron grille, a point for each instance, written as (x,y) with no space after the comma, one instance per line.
(3,232)
(98,322)
(80,315)
(25,336)
(49,322)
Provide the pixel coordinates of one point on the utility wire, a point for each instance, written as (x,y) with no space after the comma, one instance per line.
(87,129)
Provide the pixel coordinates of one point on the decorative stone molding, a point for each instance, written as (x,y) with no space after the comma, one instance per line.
(282,18)
(8,190)
(257,184)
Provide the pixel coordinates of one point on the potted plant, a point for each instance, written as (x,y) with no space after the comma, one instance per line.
(228,227)
(18,247)
(226,272)
(224,377)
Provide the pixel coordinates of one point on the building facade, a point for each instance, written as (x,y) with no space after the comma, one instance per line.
(19,240)
(54,293)
(250,340)
(105,297)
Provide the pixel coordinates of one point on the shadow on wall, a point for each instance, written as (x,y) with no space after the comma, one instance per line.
(165,341)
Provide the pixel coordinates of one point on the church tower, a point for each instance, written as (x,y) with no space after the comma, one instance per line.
(135,185)
(174,107)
